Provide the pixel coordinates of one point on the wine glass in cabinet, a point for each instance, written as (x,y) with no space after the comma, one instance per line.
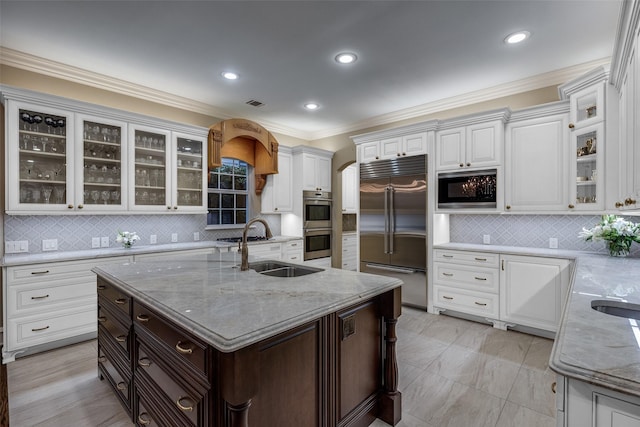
(189,173)
(102,164)
(587,189)
(39,159)
(149,179)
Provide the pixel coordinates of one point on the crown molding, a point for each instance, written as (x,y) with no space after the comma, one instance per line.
(55,69)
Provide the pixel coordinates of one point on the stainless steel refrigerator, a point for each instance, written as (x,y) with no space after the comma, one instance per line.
(393,218)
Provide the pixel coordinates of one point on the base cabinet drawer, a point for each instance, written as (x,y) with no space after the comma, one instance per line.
(34,330)
(480,259)
(467,277)
(34,298)
(482,304)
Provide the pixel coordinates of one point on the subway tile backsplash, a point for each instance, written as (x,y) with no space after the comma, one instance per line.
(529,231)
(74,232)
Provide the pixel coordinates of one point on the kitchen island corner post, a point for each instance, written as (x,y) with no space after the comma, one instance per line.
(240,382)
(391,399)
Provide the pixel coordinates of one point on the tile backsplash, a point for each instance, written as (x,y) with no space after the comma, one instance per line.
(529,230)
(74,232)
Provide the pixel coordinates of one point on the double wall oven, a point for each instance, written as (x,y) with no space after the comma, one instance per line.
(316,224)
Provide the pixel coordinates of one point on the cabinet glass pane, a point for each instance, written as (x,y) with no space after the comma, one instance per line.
(42,157)
(102,163)
(586,106)
(586,171)
(150,168)
(189,168)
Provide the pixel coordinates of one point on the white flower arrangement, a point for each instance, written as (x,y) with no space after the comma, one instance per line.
(617,232)
(127,238)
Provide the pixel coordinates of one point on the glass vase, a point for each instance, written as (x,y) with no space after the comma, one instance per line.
(619,248)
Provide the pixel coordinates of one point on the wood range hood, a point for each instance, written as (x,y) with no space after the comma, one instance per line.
(244,140)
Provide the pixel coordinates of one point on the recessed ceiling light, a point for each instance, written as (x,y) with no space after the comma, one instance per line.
(311,106)
(346,58)
(517,37)
(230,75)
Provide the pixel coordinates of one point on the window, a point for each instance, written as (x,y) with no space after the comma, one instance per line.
(228,193)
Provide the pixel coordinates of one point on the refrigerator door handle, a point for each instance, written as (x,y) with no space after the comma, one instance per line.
(386,219)
(392,218)
(392,269)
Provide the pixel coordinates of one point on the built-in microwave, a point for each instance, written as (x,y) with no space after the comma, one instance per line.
(468,189)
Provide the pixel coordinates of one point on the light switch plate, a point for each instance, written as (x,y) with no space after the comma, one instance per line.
(153,239)
(49,245)
(16,246)
(104,242)
(196,236)
(174,237)
(95,242)
(486,239)
(553,243)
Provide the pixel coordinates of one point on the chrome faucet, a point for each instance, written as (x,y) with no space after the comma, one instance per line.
(244,250)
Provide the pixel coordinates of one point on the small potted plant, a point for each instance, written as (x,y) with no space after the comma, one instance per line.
(127,238)
(617,232)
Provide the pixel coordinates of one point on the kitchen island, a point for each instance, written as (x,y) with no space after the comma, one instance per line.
(196,341)
(597,354)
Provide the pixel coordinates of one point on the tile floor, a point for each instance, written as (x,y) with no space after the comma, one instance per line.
(453,373)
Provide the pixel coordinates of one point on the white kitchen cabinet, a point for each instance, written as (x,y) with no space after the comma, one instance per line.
(586,173)
(293,250)
(350,189)
(271,250)
(587,106)
(172,255)
(50,304)
(313,167)
(536,159)
(277,194)
(466,282)
(39,159)
(350,252)
(394,146)
(472,146)
(369,151)
(582,404)
(74,157)
(533,290)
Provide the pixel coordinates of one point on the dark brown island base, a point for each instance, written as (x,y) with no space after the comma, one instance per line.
(197,342)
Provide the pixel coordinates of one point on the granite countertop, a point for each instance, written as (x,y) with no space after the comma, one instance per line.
(512,250)
(231,309)
(55,256)
(600,348)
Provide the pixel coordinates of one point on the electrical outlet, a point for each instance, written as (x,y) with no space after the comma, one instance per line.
(16,246)
(95,242)
(553,243)
(196,236)
(153,239)
(486,239)
(50,245)
(104,242)
(174,237)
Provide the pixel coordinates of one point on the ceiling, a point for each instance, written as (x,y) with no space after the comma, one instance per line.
(411,54)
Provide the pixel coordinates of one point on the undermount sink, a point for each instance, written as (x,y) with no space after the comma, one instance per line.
(282,269)
(617,308)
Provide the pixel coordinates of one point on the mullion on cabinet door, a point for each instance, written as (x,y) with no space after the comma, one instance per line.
(39,140)
(102,160)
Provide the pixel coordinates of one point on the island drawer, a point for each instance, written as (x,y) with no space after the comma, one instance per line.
(120,382)
(114,330)
(467,277)
(178,392)
(147,415)
(176,340)
(481,304)
(117,299)
(483,259)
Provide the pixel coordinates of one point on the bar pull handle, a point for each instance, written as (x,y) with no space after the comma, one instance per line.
(41,297)
(447,256)
(448,274)
(480,259)
(502,265)
(481,278)
(40,272)
(482,304)
(446,297)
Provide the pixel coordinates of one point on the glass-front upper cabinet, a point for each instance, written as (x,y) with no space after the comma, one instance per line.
(188,174)
(40,159)
(102,163)
(586,106)
(587,188)
(149,175)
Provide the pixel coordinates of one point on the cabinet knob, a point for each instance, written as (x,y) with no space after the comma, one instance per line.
(629,201)
(571,126)
(461,164)
(468,164)
(571,206)
(398,154)
(404,154)
(70,206)
(80,206)
(377,157)
(175,207)
(619,205)
(508,206)
(275,209)
(168,207)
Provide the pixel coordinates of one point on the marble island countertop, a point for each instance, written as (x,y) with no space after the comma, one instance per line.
(231,309)
(138,249)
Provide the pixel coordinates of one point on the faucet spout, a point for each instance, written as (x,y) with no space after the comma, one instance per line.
(245,250)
